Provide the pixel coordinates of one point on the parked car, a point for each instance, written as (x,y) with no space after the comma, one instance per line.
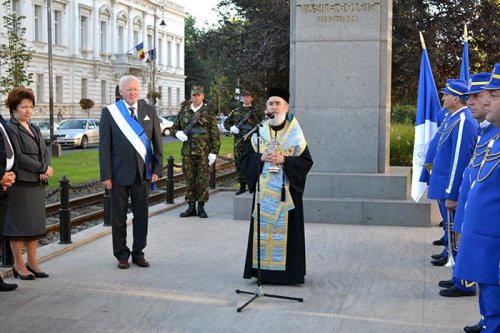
(165,126)
(78,132)
(171,117)
(44,126)
(220,124)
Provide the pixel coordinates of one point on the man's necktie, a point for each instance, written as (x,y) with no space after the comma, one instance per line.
(132,112)
(8,149)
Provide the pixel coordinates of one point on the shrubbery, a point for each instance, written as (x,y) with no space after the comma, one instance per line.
(402,135)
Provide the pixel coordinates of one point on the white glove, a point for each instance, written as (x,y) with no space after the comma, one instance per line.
(211,158)
(234,129)
(181,136)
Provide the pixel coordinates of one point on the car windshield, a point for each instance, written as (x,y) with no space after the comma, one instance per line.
(73,124)
(42,125)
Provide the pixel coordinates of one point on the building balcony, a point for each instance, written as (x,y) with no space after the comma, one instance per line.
(127,60)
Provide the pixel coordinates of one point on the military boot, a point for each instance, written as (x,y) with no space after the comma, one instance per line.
(191,211)
(243,188)
(201,210)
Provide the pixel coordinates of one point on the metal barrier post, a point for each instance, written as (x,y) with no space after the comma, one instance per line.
(64,213)
(107,208)
(7,257)
(170,180)
(212,176)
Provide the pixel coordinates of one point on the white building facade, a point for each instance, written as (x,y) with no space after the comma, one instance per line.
(93,45)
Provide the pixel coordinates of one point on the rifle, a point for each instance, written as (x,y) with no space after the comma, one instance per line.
(245,118)
(194,121)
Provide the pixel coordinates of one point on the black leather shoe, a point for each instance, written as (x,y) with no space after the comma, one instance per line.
(441,223)
(7,286)
(446,283)
(191,211)
(473,329)
(455,292)
(201,210)
(141,262)
(243,189)
(438,255)
(438,242)
(37,274)
(439,262)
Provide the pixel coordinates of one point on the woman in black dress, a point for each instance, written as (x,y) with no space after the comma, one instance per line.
(25,221)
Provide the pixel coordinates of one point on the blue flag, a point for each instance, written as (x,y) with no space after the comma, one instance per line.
(464,67)
(428,106)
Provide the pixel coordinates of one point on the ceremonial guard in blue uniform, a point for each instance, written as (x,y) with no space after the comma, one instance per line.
(453,153)
(479,256)
(486,131)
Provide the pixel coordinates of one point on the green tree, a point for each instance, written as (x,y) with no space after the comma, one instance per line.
(14,54)
(220,93)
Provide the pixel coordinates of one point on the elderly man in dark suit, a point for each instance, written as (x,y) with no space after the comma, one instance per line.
(7,179)
(130,158)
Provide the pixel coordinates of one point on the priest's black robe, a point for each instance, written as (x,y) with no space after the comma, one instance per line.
(296,169)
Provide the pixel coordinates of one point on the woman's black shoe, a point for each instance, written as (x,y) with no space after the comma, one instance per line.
(37,274)
(22,277)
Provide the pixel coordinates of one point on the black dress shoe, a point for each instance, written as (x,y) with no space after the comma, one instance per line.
(243,189)
(455,292)
(22,277)
(441,223)
(473,329)
(7,286)
(439,262)
(446,283)
(37,274)
(123,264)
(438,242)
(141,262)
(438,255)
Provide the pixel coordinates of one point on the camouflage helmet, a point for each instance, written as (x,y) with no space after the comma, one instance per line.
(197,90)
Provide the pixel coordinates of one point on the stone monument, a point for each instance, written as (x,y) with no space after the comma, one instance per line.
(340,87)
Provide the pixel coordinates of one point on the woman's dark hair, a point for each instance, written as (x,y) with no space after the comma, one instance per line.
(16,96)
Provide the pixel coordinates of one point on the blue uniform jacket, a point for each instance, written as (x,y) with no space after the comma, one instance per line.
(479,256)
(453,153)
(470,172)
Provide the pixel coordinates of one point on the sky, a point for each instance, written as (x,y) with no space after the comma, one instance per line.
(201,10)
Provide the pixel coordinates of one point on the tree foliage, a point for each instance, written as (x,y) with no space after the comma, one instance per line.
(14,54)
(442,24)
(250,45)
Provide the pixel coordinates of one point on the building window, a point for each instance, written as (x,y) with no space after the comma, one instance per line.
(104,36)
(84,88)
(136,37)
(16,6)
(84,31)
(160,52)
(121,35)
(39,88)
(160,90)
(178,55)
(38,22)
(103,92)
(178,97)
(150,42)
(169,52)
(59,89)
(169,97)
(57,27)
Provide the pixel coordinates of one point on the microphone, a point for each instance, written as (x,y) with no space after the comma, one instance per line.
(269,116)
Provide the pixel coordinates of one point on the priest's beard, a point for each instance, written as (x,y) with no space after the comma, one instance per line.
(278,119)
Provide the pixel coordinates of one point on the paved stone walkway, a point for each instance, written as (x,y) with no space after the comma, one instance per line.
(359,279)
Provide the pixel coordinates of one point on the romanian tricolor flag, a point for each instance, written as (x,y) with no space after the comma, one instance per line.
(140,50)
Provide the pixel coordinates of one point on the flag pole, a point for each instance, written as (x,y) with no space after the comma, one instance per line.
(422,39)
(466,36)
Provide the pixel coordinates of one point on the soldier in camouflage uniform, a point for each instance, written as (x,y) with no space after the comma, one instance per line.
(237,124)
(199,150)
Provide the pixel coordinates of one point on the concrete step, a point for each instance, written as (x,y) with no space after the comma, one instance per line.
(356,211)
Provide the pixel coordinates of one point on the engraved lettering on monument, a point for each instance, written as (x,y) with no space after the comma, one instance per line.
(340,12)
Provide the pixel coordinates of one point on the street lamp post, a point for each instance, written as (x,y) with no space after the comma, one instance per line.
(153,65)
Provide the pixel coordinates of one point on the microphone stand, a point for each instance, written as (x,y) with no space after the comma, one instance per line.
(259,291)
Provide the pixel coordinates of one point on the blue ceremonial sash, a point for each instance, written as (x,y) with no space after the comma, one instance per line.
(134,132)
